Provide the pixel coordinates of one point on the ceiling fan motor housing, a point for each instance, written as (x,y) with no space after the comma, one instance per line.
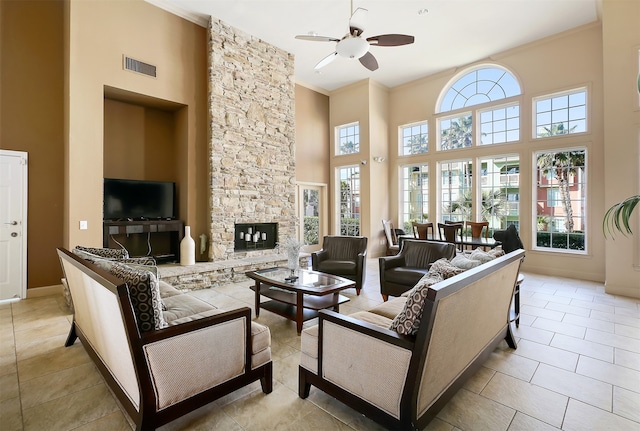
(352,47)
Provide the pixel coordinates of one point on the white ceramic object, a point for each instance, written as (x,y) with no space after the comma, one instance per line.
(187,248)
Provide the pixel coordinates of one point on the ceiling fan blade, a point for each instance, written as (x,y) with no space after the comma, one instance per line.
(358,21)
(369,61)
(391,40)
(317,38)
(328,59)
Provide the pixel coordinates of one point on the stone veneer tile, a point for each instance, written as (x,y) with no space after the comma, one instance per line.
(252,124)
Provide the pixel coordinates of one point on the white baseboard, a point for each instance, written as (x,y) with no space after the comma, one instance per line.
(36,292)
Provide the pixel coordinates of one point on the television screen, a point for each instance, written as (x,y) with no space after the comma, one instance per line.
(138,200)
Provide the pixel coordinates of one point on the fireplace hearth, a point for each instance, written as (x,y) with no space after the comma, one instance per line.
(255,236)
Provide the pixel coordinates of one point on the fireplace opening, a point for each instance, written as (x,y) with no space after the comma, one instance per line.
(255,236)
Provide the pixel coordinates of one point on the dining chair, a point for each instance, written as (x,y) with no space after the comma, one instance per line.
(449,232)
(478,228)
(421,230)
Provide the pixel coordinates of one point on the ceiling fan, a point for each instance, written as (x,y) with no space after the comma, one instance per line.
(352,45)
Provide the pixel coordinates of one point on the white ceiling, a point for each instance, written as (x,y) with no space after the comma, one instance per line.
(452,33)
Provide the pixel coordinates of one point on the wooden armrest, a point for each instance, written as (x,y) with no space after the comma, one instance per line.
(386,335)
(205,322)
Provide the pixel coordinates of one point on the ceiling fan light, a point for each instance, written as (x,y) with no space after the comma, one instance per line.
(352,47)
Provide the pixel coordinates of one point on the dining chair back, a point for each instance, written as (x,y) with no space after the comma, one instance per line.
(422,230)
(479,229)
(450,231)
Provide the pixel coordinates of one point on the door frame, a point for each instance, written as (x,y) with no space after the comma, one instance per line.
(323,213)
(24,157)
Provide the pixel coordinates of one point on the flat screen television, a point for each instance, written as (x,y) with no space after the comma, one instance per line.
(139,200)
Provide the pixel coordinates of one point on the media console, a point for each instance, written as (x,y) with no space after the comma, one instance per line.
(159,239)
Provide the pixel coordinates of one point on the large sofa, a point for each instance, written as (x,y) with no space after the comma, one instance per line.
(162,352)
(400,362)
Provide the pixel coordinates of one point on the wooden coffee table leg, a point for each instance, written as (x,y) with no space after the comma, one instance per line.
(336,307)
(257,298)
(299,312)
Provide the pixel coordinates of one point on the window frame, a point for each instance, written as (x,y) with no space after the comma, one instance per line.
(401,145)
(338,143)
(582,180)
(568,92)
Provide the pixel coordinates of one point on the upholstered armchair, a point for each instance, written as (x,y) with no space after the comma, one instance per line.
(401,272)
(344,256)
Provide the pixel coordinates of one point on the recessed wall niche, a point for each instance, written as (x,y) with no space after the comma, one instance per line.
(140,139)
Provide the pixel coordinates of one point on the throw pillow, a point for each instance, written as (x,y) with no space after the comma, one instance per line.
(444,268)
(408,320)
(496,252)
(109,253)
(463,262)
(144,291)
(480,255)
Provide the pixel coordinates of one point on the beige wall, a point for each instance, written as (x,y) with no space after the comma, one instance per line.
(312,136)
(621,55)
(31,106)
(99,33)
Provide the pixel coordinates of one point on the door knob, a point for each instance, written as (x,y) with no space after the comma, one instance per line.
(13,223)
(14,234)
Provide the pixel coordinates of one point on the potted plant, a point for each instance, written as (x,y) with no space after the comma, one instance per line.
(617,217)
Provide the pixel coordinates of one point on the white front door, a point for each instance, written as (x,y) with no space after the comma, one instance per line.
(13,224)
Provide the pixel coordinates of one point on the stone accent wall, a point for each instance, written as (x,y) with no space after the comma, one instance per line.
(252,137)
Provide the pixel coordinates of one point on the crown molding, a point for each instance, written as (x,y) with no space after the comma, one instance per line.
(196,18)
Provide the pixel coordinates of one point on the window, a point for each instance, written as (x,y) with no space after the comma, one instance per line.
(494,125)
(561,199)
(455,191)
(561,114)
(485,84)
(349,200)
(415,195)
(456,132)
(499,125)
(348,139)
(414,138)
(500,191)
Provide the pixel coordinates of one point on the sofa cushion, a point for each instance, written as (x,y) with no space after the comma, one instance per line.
(144,292)
(181,307)
(405,275)
(408,321)
(338,267)
(390,309)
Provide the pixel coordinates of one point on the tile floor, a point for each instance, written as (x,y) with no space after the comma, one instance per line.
(577,367)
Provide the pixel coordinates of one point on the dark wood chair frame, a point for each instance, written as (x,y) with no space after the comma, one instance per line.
(148,418)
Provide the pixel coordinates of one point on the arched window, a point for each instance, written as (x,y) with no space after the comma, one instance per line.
(482,85)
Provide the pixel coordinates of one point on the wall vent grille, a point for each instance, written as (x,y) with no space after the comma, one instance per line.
(139,66)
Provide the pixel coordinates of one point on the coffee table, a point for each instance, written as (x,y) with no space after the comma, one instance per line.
(301,299)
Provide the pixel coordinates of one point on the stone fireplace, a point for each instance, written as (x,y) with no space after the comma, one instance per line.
(251,98)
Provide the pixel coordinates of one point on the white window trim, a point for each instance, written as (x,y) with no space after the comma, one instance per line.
(586,88)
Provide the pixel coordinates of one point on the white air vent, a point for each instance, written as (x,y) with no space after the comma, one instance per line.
(139,66)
